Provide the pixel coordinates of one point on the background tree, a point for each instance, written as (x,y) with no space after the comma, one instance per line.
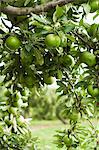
(42,103)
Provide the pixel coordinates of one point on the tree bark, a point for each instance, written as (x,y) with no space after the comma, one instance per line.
(37,10)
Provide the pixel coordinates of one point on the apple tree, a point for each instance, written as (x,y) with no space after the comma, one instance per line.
(41,40)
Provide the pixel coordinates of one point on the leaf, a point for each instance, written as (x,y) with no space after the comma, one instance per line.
(25,104)
(60,145)
(27,2)
(86,8)
(61,84)
(70,12)
(14,124)
(97,14)
(28,47)
(81,22)
(80,84)
(1,128)
(90,114)
(69,27)
(70,37)
(2,32)
(1,79)
(4,108)
(59,89)
(54,18)
(21,130)
(59,11)
(42,20)
(39,57)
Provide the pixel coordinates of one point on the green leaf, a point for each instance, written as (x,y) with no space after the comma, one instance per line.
(60,145)
(28,47)
(4,108)
(39,57)
(68,27)
(42,20)
(97,14)
(80,84)
(61,84)
(59,89)
(70,37)
(27,2)
(59,11)
(1,129)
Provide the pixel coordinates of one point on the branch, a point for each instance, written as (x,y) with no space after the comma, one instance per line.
(82,39)
(38,9)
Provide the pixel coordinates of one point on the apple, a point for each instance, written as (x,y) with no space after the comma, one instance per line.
(67,140)
(93,91)
(88,58)
(49,80)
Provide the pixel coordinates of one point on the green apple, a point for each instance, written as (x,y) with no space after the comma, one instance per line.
(93,91)
(23,92)
(12,42)
(75,116)
(49,80)
(67,141)
(52,40)
(68,60)
(88,58)
(7,93)
(94,4)
(59,74)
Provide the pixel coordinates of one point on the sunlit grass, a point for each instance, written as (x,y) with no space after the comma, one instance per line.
(45,131)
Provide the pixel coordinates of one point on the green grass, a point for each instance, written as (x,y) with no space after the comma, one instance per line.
(45,130)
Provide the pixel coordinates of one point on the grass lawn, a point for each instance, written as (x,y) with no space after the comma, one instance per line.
(45,130)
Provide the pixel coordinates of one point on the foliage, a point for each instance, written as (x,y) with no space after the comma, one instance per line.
(14,129)
(29,65)
(42,103)
(77,136)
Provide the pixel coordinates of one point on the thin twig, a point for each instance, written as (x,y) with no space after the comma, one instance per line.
(91,124)
(82,39)
(77,98)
